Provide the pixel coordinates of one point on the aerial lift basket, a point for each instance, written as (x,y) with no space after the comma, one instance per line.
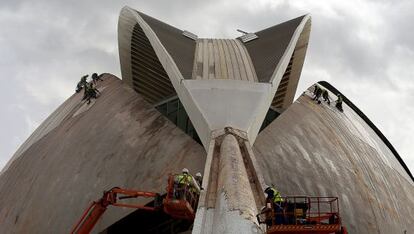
(180,202)
(301,214)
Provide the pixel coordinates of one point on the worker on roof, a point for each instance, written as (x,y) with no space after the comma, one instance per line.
(276,200)
(83,79)
(79,87)
(90,92)
(318,93)
(339,102)
(95,78)
(185,183)
(315,89)
(325,95)
(81,84)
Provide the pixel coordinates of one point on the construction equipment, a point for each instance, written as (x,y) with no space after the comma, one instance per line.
(302,214)
(183,208)
(97,208)
(180,203)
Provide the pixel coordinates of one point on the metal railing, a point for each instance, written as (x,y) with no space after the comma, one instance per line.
(301,210)
(181,192)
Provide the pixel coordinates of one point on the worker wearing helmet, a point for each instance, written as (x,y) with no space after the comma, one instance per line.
(318,95)
(325,96)
(339,102)
(274,197)
(186,180)
(91,92)
(184,177)
(81,84)
(83,80)
(95,78)
(199,178)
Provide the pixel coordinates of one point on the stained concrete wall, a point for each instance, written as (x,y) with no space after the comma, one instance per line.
(316,150)
(119,140)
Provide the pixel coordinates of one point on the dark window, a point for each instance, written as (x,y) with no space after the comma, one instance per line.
(174,110)
(270,116)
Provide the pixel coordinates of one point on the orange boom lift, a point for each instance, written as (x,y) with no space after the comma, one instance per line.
(296,214)
(178,208)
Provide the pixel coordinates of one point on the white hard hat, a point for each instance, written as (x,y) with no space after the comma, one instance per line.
(198,174)
(185,170)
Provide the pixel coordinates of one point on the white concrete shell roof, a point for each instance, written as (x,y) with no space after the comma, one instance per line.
(160,62)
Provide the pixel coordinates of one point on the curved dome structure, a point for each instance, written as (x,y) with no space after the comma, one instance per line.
(161,61)
(119,140)
(316,150)
(219,106)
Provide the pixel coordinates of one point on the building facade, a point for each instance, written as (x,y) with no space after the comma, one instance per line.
(223,107)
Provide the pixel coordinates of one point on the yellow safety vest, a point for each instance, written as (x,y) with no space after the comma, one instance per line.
(339,99)
(184,179)
(276,196)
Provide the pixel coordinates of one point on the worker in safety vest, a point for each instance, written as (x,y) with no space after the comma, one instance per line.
(325,96)
(185,181)
(81,84)
(315,89)
(274,197)
(317,93)
(90,92)
(339,102)
(83,81)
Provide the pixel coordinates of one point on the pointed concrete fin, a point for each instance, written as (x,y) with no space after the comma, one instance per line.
(180,47)
(268,50)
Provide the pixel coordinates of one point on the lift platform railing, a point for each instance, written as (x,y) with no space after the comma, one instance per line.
(181,199)
(183,191)
(302,210)
(180,203)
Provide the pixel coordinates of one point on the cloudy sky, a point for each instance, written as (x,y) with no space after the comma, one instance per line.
(364,48)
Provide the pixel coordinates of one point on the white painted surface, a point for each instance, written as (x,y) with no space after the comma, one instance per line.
(229,103)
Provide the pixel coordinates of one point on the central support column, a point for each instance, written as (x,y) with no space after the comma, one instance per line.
(228,205)
(235,204)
